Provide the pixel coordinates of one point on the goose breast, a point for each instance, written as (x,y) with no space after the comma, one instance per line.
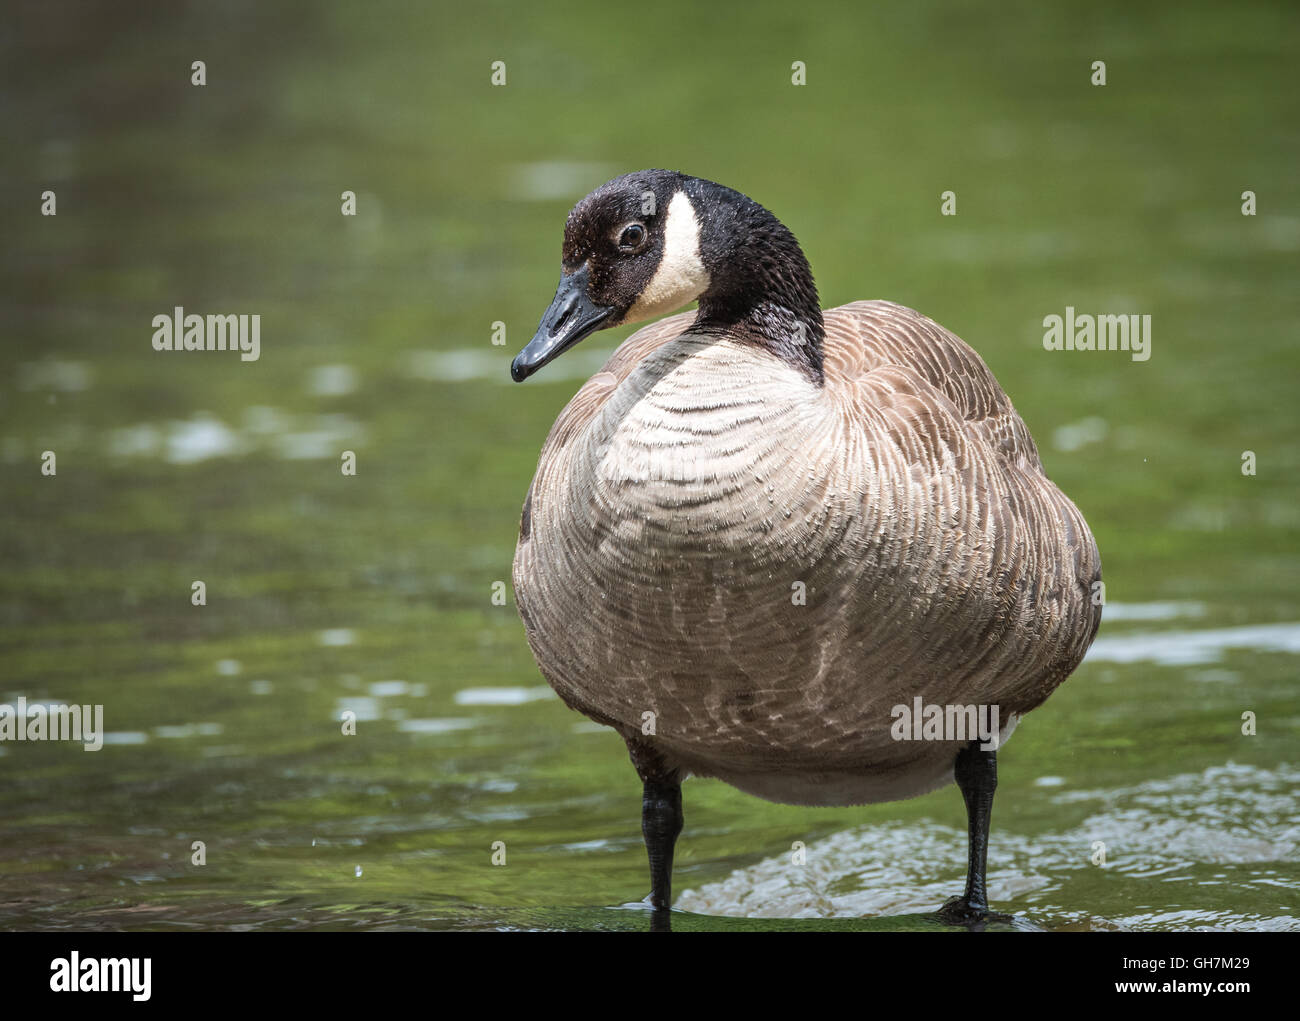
(760,568)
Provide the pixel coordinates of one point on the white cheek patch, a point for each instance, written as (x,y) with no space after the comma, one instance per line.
(681,276)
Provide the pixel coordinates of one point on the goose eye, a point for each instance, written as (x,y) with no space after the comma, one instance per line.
(632,236)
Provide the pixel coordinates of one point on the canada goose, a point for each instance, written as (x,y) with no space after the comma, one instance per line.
(760,528)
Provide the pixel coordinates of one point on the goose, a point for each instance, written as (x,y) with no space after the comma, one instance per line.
(761,529)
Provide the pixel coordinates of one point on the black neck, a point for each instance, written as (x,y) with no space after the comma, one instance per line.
(761,288)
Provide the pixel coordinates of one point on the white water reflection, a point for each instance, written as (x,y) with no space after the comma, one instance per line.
(503,696)
(463,364)
(436,726)
(331,380)
(555,180)
(1181,648)
(1151,611)
(186,730)
(199,438)
(1171,830)
(204,436)
(53,374)
(126,737)
(363,707)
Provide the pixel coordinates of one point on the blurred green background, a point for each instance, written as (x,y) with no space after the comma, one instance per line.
(373,593)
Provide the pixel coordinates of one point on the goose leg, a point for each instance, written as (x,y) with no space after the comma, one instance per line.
(661,818)
(976,773)
(661,822)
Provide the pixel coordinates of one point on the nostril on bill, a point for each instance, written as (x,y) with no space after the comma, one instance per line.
(564,318)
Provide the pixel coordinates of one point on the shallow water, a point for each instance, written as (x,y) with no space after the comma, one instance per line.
(373,594)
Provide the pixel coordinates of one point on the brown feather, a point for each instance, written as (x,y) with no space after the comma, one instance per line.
(694,480)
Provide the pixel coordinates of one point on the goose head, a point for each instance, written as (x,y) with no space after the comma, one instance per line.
(648,243)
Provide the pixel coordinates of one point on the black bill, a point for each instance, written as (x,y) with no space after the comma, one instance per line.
(571,317)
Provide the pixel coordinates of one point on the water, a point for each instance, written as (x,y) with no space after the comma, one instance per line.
(372,595)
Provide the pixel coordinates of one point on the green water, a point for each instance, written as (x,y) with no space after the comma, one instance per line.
(374,592)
